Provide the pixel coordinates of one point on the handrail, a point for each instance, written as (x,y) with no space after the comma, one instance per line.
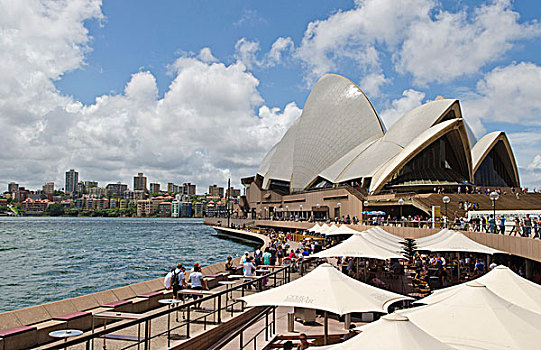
(228,338)
(123,324)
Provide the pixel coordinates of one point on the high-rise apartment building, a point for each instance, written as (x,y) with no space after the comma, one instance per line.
(140,182)
(72,178)
(117,189)
(188,188)
(154,187)
(90,184)
(172,188)
(215,191)
(13,187)
(48,188)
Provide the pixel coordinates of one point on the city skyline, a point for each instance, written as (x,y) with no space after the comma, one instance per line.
(192,92)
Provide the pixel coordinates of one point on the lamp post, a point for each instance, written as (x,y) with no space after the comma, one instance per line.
(339,205)
(266,213)
(365,204)
(446,201)
(494,197)
(287,212)
(317,206)
(302,215)
(401,203)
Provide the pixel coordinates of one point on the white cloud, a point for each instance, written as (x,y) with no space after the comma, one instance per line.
(210,124)
(280,47)
(371,84)
(507,95)
(418,36)
(458,44)
(409,100)
(246,52)
(354,34)
(206,55)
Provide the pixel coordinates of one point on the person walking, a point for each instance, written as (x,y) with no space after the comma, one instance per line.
(516,228)
(502,225)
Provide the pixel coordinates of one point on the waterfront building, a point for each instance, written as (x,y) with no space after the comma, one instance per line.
(186,209)
(198,210)
(97,192)
(175,209)
(21,194)
(147,207)
(30,204)
(13,187)
(338,158)
(215,191)
(117,189)
(72,178)
(123,204)
(113,203)
(140,182)
(79,203)
(154,187)
(48,188)
(164,209)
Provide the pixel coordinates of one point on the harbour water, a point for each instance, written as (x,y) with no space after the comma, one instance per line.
(43,259)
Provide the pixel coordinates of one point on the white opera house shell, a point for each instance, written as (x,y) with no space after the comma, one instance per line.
(339,139)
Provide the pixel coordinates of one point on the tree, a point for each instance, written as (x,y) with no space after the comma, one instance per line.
(55,209)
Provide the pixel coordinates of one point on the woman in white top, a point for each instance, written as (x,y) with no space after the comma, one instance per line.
(197,281)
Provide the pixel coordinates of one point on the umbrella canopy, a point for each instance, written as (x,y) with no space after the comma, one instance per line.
(332,228)
(314,228)
(475,316)
(375,237)
(388,236)
(456,242)
(502,281)
(323,229)
(433,238)
(359,247)
(342,230)
(390,332)
(326,288)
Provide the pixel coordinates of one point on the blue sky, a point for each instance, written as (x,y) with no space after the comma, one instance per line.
(200,90)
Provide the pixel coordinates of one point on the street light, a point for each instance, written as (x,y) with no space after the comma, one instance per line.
(287,212)
(302,215)
(266,213)
(446,201)
(494,197)
(401,203)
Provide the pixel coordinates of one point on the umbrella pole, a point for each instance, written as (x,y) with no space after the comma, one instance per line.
(458,267)
(326,330)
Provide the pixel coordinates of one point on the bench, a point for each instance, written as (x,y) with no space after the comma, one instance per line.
(18,337)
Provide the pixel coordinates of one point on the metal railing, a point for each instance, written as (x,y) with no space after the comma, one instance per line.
(280,276)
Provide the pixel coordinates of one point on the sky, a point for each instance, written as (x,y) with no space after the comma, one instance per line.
(198,91)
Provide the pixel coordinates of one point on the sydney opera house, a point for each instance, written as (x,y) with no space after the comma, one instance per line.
(338,157)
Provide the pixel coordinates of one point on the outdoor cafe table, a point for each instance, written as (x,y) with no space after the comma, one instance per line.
(113,315)
(170,303)
(201,293)
(65,334)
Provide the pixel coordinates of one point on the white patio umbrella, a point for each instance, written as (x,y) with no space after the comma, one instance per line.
(433,238)
(323,229)
(375,237)
(386,235)
(314,228)
(502,281)
(327,289)
(390,332)
(342,230)
(332,228)
(359,247)
(476,317)
(456,242)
